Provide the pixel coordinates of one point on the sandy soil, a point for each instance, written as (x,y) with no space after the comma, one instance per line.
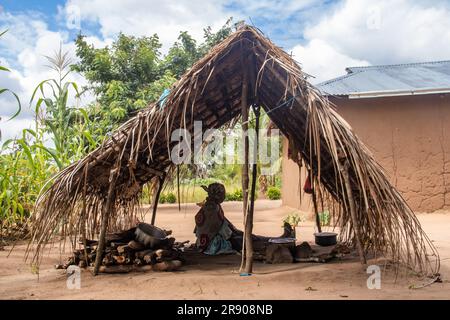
(218,278)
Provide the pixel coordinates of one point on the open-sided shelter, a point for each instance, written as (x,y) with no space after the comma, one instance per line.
(100,192)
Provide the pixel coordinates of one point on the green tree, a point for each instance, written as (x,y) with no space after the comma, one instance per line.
(131,73)
(122,75)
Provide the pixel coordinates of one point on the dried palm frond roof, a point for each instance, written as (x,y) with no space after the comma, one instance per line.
(211,92)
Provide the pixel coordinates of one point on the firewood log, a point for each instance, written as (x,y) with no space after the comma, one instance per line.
(166,255)
(123,250)
(108,260)
(123,269)
(150,258)
(167,265)
(163,253)
(136,246)
(141,254)
(119,259)
(167,243)
(180,244)
(91,256)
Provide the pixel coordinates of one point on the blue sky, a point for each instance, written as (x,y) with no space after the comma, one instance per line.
(45,6)
(325,37)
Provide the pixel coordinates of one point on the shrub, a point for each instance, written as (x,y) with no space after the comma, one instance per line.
(238,195)
(294,219)
(162,199)
(234,196)
(171,198)
(274,193)
(324,218)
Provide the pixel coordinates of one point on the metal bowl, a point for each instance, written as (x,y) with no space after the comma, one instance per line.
(325,238)
(283,240)
(149,235)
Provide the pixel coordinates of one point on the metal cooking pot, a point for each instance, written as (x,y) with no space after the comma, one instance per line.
(149,235)
(325,238)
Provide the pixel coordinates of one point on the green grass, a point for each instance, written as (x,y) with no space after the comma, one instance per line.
(191,193)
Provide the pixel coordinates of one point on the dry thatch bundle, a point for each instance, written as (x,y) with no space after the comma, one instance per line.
(211,92)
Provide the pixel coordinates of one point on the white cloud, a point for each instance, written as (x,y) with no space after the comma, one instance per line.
(13,128)
(387,31)
(24,47)
(166,18)
(29,39)
(361,32)
(322,61)
(330,36)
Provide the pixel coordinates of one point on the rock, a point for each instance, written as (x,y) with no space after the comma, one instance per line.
(82,264)
(303,251)
(276,253)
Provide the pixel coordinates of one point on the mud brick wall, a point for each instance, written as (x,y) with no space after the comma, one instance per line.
(409,136)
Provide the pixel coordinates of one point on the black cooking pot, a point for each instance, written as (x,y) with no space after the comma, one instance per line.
(325,238)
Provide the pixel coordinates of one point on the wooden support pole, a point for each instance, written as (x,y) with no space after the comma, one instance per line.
(156,197)
(314,199)
(106,210)
(351,202)
(244,113)
(178,188)
(249,219)
(316,211)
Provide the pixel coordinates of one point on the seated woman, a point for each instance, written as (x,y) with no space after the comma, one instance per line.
(211,228)
(216,234)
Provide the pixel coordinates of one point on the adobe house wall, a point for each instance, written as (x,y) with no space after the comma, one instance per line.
(409,136)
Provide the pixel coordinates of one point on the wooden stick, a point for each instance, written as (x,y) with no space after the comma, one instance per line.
(353,211)
(156,197)
(105,215)
(178,187)
(245,179)
(83,219)
(314,199)
(249,220)
(244,112)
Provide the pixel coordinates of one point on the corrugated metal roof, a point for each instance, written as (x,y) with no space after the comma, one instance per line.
(389,80)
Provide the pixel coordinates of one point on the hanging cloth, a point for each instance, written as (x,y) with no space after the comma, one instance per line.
(307,188)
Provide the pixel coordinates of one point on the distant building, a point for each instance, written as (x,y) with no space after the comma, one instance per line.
(402,113)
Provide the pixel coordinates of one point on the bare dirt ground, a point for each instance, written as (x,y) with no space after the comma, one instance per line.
(218,277)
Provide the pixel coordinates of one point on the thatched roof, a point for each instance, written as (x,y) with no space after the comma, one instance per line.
(211,92)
